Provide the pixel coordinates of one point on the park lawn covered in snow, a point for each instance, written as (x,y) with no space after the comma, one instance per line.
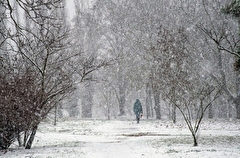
(126,139)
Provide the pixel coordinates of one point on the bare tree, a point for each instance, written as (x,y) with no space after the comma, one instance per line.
(183,84)
(198,102)
(42,49)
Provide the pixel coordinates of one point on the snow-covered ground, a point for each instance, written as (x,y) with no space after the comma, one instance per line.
(126,139)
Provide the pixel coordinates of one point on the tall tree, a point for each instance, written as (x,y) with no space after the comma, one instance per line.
(86,40)
(112,26)
(233,8)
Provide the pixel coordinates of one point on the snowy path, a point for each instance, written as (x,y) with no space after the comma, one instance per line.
(120,146)
(126,139)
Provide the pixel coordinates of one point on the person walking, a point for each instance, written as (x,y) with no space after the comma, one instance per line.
(137,108)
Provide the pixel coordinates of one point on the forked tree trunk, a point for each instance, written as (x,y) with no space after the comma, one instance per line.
(30,140)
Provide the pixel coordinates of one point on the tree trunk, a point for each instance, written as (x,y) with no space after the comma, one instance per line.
(195,143)
(237,100)
(238,110)
(210,111)
(157,106)
(19,138)
(237,103)
(148,101)
(229,113)
(122,101)
(174,107)
(151,107)
(30,140)
(55,115)
(108,113)
(174,116)
(25,138)
(87,100)
(122,86)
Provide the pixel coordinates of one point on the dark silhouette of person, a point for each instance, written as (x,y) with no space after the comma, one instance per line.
(137,108)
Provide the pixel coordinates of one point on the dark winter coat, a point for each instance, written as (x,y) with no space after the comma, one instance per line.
(137,108)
